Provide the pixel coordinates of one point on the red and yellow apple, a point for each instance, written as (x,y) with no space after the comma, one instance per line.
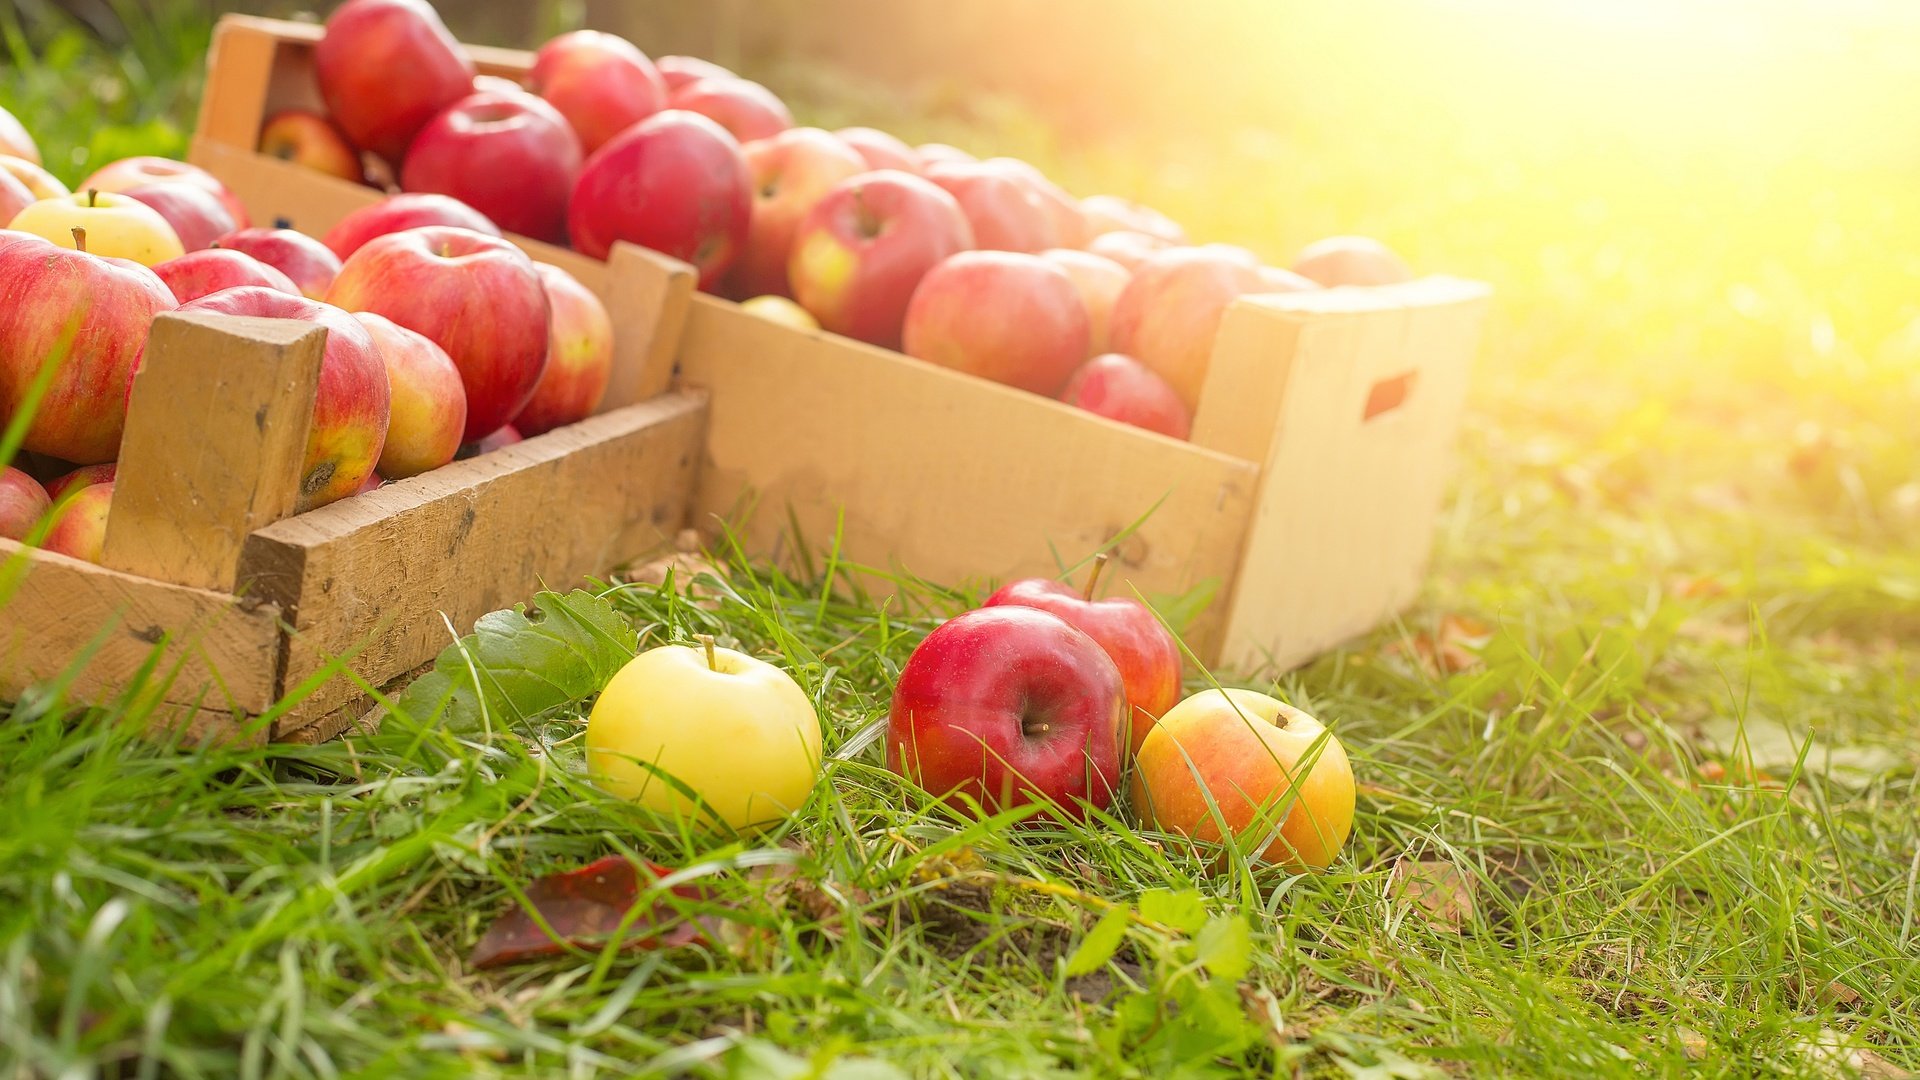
(862,250)
(79,528)
(493,440)
(746,109)
(1100,282)
(601,83)
(14,139)
(782,310)
(15,196)
(311,264)
(138,172)
(110,226)
(202,273)
(1066,224)
(674,182)
(197,215)
(1121,388)
(307,138)
(428,411)
(23,502)
(1169,313)
(1351,260)
(1016,319)
(84,476)
(1001,207)
(42,183)
(790,172)
(879,149)
(579,356)
(387,67)
(511,156)
(398,213)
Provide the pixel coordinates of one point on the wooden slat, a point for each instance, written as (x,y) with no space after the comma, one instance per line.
(648,295)
(374,575)
(215,446)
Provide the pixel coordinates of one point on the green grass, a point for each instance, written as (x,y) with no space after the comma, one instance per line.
(1709,561)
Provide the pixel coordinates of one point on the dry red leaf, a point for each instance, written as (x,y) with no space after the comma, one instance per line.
(585,908)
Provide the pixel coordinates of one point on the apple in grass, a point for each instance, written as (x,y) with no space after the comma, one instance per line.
(675,182)
(14,139)
(579,355)
(862,250)
(1016,319)
(477,297)
(79,528)
(42,183)
(789,173)
(1001,208)
(1245,753)
(202,273)
(1100,281)
(879,149)
(1005,706)
(427,414)
(511,156)
(1168,314)
(311,264)
(138,172)
(1351,260)
(307,138)
(386,68)
(398,213)
(84,476)
(1111,213)
(47,293)
(23,502)
(197,215)
(110,226)
(601,83)
(1129,249)
(746,109)
(1121,388)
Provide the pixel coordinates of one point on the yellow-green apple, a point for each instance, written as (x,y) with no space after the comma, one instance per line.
(1111,213)
(1170,311)
(197,215)
(674,182)
(1132,635)
(746,109)
(1129,249)
(23,502)
(1122,388)
(1069,226)
(1001,208)
(307,138)
(311,264)
(789,173)
(428,410)
(79,528)
(385,68)
(14,139)
(1244,752)
(879,149)
(782,310)
(935,153)
(15,196)
(1005,706)
(1351,260)
(510,156)
(202,273)
(601,83)
(487,444)
(1100,281)
(42,183)
(579,356)
(398,213)
(48,293)
(84,476)
(138,172)
(478,297)
(1013,318)
(863,248)
(678,71)
(110,226)
(706,734)
(351,407)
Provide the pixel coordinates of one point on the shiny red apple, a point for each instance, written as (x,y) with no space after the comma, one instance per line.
(84,476)
(860,253)
(1064,218)
(310,263)
(428,413)
(1122,388)
(23,502)
(80,523)
(307,138)
(1001,207)
(127,174)
(1170,311)
(197,215)
(511,156)
(790,172)
(880,150)
(202,273)
(398,213)
(579,356)
(386,68)
(1013,318)
(15,196)
(675,182)
(678,71)
(746,109)
(601,83)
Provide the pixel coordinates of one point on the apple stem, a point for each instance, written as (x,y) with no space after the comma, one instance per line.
(93,197)
(706,640)
(1093,576)
(79,239)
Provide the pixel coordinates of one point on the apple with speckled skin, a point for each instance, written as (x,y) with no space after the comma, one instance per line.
(387,67)
(863,249)
(311,264)
(601,83)
(509,155)
(203,273)
(307,138)
(675,182)
(398,213)
(789,173)
(1013,318)
(1009,705)
(1351,260)
(746,109)
(428,413)
(1121,388)
(23,502)
(137,172)
(579,358)
(879,149)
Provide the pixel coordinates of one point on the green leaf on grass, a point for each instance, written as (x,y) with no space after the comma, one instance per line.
(524,661)
(1100,943)
(1225,946)
(1185,910)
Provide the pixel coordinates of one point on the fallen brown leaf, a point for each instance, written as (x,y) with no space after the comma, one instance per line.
(585,907)
(1451,647)
(1436,888)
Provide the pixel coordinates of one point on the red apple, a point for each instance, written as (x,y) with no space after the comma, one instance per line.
(107,304)
(351,408)
(15,196)
(1129,249)
(428,413)
(790,172)
(579,356)
(84,476)
(880,150)
(863,248)
(1111,213)
(478,297)
(505,436)
(197,215)
(497,84)
(42,183)
(1142,648)
(1122,388)
(310,263)
(601,83)
(1002,209)
(80,523)
(510,156)
(201,273)
(138,172)
(398,213)
(678,71)
(746,109)
(1170,311)
(1351,260)
(308,138)
(14,139)
(1005,706)
(387,67)
(1062,210)
(1016,319)
(674,182)
(1100,282)
(935,153)
(23,502)
(11,236)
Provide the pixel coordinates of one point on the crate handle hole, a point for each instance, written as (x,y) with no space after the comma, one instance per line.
(1389,394)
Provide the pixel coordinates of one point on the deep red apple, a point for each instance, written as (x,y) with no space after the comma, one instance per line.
(80,528)
(1122,388)
(1129,249)
(863,248)
(428,414)
(1351,260)
(47,292)
(601,83)
(510,156)
(127,174)
(678,71)
(1111,213)
(746,109)
(397,213)
(881,150)
(790,172)
(1013,318)
(23,502)
(197,215)
(310,263)
(387,67)
(1005,706)
(674,182)
(579,357)
(478,297)
(201,273)
(352,405)
(308,138)
(84,476)
(1002,209)
(1100,282)
(1170,311)
(14,139)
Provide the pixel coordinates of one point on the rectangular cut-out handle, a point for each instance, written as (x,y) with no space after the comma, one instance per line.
(1389,394)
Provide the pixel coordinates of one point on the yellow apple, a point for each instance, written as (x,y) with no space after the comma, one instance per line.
(735,731)
(1247,751)
(781,310)
(116,226)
